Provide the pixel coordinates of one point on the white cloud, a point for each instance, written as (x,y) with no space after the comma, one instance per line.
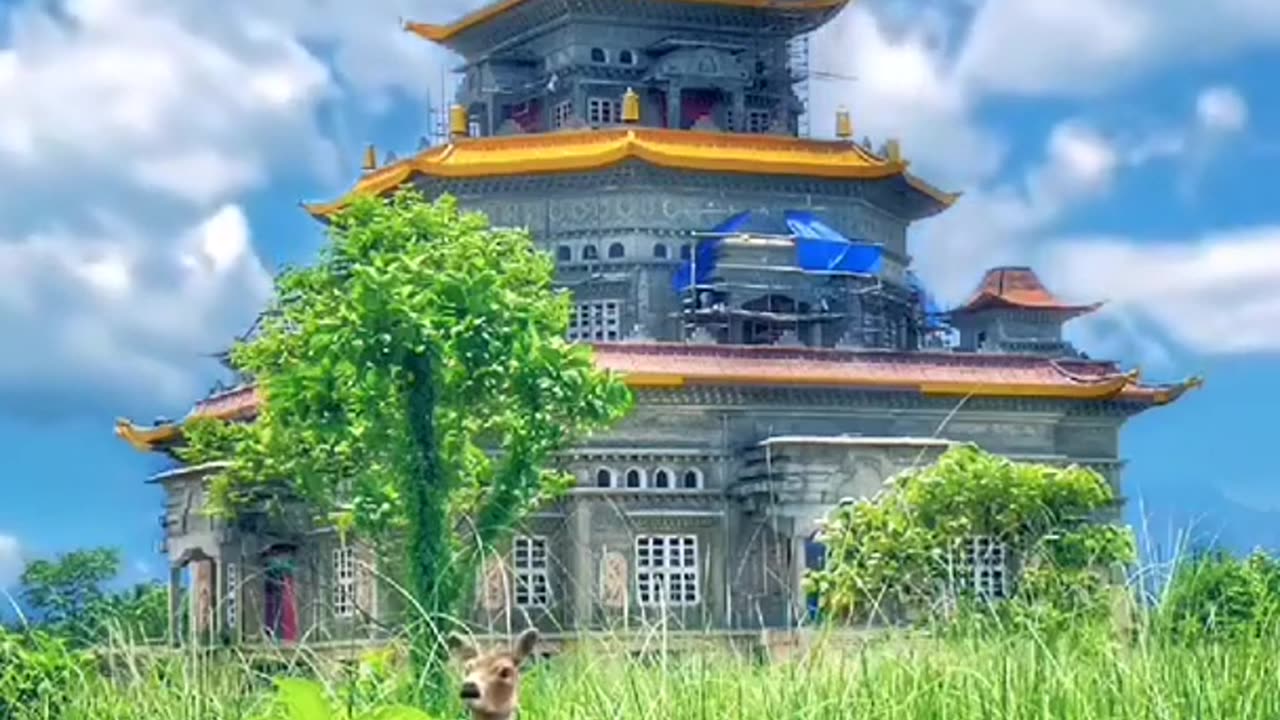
(130,133)
(1222,109)
(1048,47)
(11,562)
(899,83)
(1217,294)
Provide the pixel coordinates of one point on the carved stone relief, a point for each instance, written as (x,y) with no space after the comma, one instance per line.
(614,585)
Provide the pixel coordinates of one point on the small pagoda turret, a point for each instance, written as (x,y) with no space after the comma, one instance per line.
(1012,312)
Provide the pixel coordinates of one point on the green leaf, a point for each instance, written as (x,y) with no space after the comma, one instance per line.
(396,712)
(303,699)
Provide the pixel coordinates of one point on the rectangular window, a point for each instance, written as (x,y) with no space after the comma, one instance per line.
(533,582)
(604,111)
(344,581)
(233,595)
(758,121)
(561,113)
(473,128)
(667,570)
(984,568)
(596,321)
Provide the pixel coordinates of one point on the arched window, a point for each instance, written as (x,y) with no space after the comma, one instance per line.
(626,57)
(692,479)
(564,253)
(635,478)
(599,55)
(616,251)
(590,253)
(660,251)
(663,479)
(604,478)
(685,251)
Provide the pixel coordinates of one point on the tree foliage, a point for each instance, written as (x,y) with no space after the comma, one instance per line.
(1214,595)
(415,382)
(71,600)
(897,554)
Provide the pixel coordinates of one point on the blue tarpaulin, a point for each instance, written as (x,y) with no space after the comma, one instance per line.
(819,248)
(822,249)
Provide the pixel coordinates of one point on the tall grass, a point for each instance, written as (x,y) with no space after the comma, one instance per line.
(1092,673)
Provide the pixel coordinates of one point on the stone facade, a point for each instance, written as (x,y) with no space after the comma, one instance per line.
(699,509)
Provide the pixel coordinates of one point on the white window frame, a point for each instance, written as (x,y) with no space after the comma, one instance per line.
(596,320)
(530,562)
(604,111)
(626,478)
(561,113)
(344,581)
(697,472)
(672,480)
(232,612)
(667,571)
(985,567)
(473,127)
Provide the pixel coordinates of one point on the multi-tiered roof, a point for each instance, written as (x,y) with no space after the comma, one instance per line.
(498,31)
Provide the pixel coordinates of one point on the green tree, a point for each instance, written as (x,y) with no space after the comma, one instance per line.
(897,554)
(415,382)
(66,591)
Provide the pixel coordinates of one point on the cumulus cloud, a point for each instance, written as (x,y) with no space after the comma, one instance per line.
(1052,48)
(11,562)
(1222,108)
(131,134)
(1219,293)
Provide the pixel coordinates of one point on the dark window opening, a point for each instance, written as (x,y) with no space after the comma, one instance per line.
(604,478)
(564,253)
(626,57)
(660,251)
(616,251)
(662,479)
(634,478)
(685,252)
(599,55)
(590,253)
(691,479)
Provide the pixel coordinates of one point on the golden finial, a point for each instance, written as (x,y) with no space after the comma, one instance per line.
(844,124)
(370,158)
(630,106)
(458,121)
(893,149)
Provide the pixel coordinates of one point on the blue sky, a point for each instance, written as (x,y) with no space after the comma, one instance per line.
(152,155)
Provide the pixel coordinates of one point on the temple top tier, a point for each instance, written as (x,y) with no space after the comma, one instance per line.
(504,23)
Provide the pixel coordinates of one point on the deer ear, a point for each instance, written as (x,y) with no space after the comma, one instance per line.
(526,643)
(462,646)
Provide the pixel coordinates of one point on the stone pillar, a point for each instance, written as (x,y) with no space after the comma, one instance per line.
(674,92)
(584,571)
(175,603)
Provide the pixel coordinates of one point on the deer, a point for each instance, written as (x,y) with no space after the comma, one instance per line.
(491,677)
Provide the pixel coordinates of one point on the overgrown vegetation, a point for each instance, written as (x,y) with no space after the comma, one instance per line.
(414,382)
(902,554)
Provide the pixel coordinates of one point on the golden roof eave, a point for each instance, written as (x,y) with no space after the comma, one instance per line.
(443,33)
(588,150)
(147,439)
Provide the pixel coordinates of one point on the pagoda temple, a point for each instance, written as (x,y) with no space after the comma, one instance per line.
(752,285)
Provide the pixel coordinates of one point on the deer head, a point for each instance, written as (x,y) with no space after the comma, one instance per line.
(491,681)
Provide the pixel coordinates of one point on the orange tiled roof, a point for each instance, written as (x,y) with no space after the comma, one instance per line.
(1017,287)
(669,365)
(585,150)
(445,33)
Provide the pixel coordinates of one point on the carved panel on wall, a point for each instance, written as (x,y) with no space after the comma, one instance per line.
(493,589)
(614,581)
(862,475)
(1002,434)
